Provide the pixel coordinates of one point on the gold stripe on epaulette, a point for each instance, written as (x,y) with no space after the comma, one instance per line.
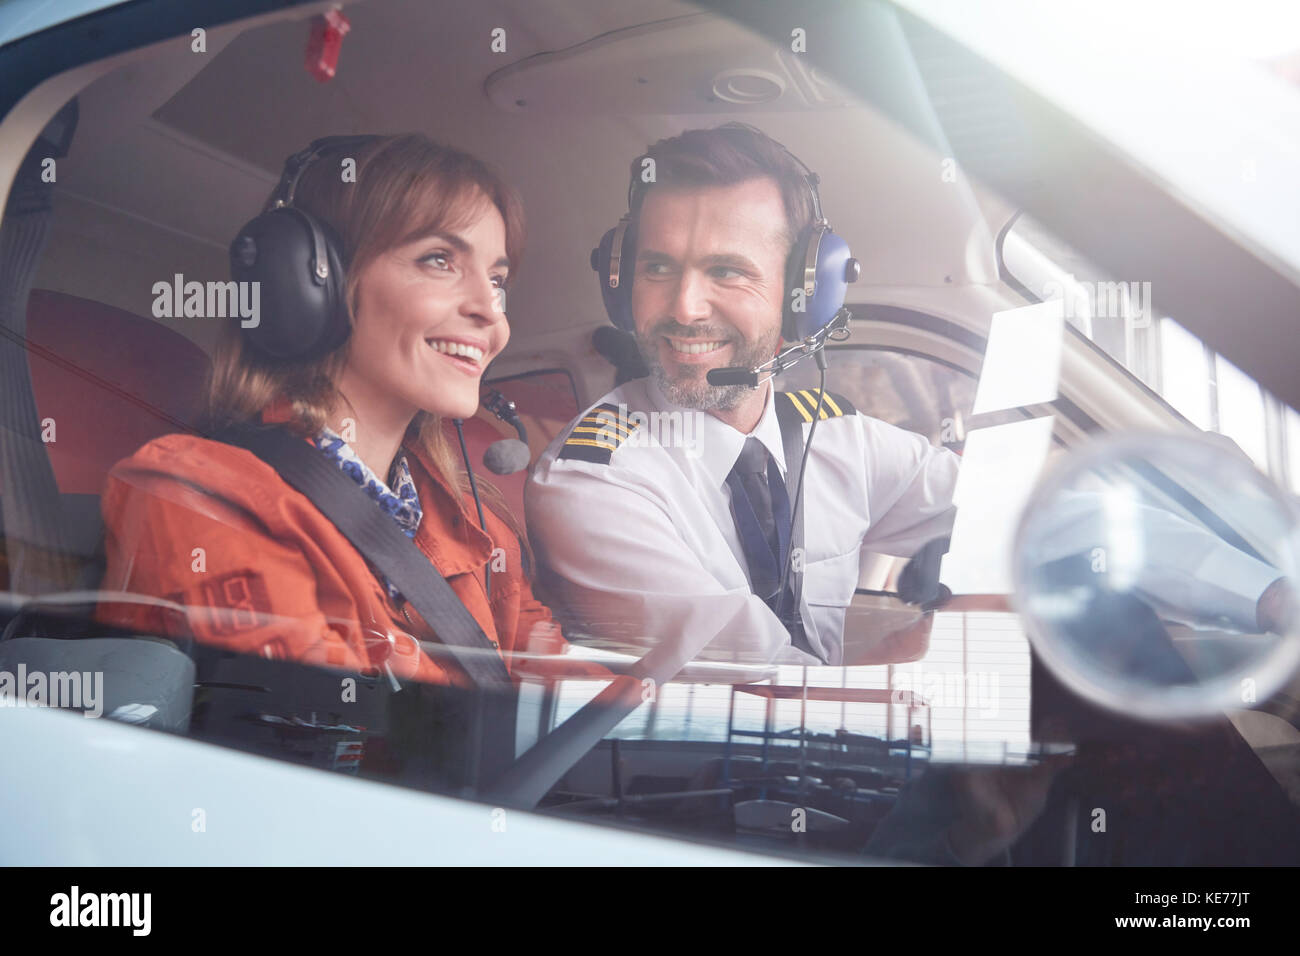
(603,434)
(807,415)
(829,402)
(810,396)
(610,422)
(805,402)
(598,434)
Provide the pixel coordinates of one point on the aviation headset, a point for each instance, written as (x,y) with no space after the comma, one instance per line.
(298,262)
(819,264)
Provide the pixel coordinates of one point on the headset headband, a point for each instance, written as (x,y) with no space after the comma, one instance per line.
(807,275)
(810,178)
(297,261)
(297,164)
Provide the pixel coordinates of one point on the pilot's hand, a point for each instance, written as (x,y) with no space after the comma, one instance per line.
(918,583)
(996,805)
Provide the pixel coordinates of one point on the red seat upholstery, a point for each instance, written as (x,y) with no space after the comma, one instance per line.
(110,380)
(105,382)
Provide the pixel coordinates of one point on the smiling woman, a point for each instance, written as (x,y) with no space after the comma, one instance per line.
(428,235)
(412,243)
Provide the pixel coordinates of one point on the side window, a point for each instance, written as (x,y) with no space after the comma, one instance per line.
(914,392)
(1120,317)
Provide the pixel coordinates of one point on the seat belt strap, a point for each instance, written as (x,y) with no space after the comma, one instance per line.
(787,416)
(381,542)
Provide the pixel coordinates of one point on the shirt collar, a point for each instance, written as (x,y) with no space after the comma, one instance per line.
(718,444)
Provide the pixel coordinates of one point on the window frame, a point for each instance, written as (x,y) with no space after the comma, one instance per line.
(1032,298)
(1273,409)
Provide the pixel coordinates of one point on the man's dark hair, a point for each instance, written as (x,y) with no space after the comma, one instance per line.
(725,156)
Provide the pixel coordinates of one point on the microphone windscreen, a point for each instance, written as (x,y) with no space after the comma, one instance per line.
(507,456)
(732,376)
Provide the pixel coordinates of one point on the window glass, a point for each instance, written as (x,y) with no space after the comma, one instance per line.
(1119,316)
(1241,410)
(1185,374)
(1291,439)
(914,392)
(303,649)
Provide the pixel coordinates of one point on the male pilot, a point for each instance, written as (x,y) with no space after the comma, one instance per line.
(661,517)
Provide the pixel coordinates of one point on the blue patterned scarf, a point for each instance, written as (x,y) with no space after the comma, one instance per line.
(397,498)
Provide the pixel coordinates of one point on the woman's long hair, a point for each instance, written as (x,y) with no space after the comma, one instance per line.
(405,186)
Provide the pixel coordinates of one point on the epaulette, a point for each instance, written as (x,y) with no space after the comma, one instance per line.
(598,434)
(803,403)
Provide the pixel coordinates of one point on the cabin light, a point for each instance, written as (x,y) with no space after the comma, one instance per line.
(746,87)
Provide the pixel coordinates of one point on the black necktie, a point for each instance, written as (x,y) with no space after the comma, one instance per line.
(751,466)
(759,504)
(752,509)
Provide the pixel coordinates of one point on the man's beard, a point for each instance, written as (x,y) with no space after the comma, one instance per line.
(690,389)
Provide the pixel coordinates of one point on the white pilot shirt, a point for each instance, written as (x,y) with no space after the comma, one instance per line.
(630,515)
(638,544)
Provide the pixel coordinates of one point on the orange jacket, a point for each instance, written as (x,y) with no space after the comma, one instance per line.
(262,571)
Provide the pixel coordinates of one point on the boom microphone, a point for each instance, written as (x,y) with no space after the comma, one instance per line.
(733,375)
(504,409)
(507,456)
(836,330)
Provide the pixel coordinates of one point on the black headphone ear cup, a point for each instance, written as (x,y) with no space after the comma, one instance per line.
(617,301)
(301,314)
(627,278)
(338,325)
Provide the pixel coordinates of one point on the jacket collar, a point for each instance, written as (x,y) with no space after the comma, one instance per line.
(449,532)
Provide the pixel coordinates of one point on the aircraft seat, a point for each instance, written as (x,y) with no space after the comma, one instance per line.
(106,381)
